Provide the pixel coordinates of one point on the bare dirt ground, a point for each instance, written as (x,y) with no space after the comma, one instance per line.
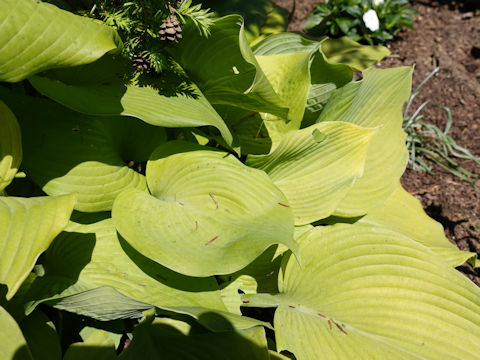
(446,34)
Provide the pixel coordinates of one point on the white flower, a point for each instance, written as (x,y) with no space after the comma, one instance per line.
(370,19)
(377,2)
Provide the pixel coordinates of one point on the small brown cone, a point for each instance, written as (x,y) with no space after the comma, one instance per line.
(170,29)
(141,64)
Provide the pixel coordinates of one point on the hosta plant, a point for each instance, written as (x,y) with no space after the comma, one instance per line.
(368,21)
(140,221)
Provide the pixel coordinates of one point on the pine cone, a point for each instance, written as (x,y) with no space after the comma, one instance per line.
(141,64)
(170,29)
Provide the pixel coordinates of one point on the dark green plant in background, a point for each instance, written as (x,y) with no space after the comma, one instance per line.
(262,17)
(147,28)
(366,21)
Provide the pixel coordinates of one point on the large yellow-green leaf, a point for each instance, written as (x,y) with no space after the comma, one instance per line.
(364,292)
(90,270)
(97,345)
(289,75)
(95,151)
(248,129)
(317,166)
(336,51)
(346,51)
(376,101)
(102,303)
(404,214)
(14,345)
(340,101)
(165,339)
(207,213)
(285,43)
(225,69)
(89,254)
(27,227)
(277,356)
(217,320)
(35,36)
(230,294)
(10,146)
(99,89)
(324,76)
(106,303)
(321,80)
(259,276)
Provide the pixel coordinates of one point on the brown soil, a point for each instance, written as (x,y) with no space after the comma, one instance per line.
(446,34)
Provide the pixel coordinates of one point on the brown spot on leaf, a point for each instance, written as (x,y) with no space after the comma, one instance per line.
(215,201)
(212,240)
(340,328)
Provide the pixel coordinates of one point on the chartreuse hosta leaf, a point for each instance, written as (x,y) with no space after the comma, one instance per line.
(97,345)
(36,36)
(10,146)
(98,89)
(404,214)
(106,303)
(207,212)
(285,58)
(249,129)
(277,356)
(230,296)
(347,51)
(89,254)
(27,227)
(170,339)
(285,43)
(289,75)
(90,270)
(234,77)
(364,292)
(113,330)
(335,51)
(95,152)
(317,166)
(102,303)
(259,276)
(14,345)
(324,76)
(376,101)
